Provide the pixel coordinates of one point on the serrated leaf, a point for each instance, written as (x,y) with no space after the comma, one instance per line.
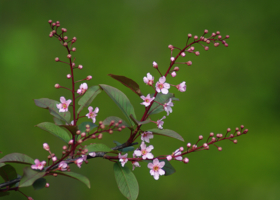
(161,98)
(88,97)
(97,147)
(30,176)
(76,176)
(17,158)
(51,106)
(8,173)
(128,83)
(168,168)
(108,120)
(121,100)
(39,184)
(82,126)
(126,149)
(126,181)
(55,130)
(167,132)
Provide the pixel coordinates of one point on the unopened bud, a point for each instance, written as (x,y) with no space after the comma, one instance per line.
(80,66)
(56,59)
(176,68)
(89,77)
(220,148)
(195,37)
(54,158)
(68,76)
(183,54)
(93,136)
(189,35)
(83,134)
(238,133)
(74,49)
(102,126)
(155,65)
(197,53)
(69,56)
(228,130)
(57,86)
(205,31)
(173,74)
(171,47)
(80,141)
(189,145)
(55,175)
(169,157)
(47,185)
(181,149)
(211,134)
(172,59)
(63,29)
(200,137)
(70,142)
(65,44)
(100,136)
(189,63)
(234,141)
(50,21)
(206,48)
(186,160)
(111,131)
(120,129)
(46,147)
(218,32)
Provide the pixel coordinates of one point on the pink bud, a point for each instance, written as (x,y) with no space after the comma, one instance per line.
(51,34)
(54,158)
(227,36)
(89,77)
(169,157)
(155,65)
(220,148)
(65,37)
(63,29)
(65,44)
(68,76)
(70,142)
(50,21)
(176,69)
(213,34)
(189,145)
(183,54)
(205,31)
(181,149)
(46,147)
(80,66)
(56,59)
(53,24)
(173,74)
(64,147)
(238,133)
(200,137)
(211,134)
(57,86)
(189,63)
(228,130)
(195,37)
(186,160)
(206,48)
(219,37)
(191,48)
(73,64)
(218,32)
(74,39)
(205,145)
(47,185)
(83,134)
(69,56)
(172,59)
(74,49)
(234,141)
(197,53)
(189,35)
(226,44)
(236,128)
(216,44)
(170,47)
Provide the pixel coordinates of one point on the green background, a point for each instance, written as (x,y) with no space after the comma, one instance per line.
(226,87)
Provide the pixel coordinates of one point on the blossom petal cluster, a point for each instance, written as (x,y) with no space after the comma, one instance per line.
(38,165)
(146,136)
(92,114)
(167,106)
(83,88)
(156,168)
(149,80)
(123,159)
(147,100)
(63,106)
(161,86)
(145,151)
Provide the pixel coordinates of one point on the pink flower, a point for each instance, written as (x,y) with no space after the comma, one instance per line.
(147,100)
(83,88)
(93,114)
(63,106)
(149,80)
(156,168)
(146,136)
(182,86)
(62,166)
(79,162)
(145,151)
(160,122)
(135,164)
(177,153)
(173,74)
(38,165)
(161,86)
(123,159)
(92,154)
(167,106)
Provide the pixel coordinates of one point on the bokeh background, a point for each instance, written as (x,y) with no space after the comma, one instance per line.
(226,87)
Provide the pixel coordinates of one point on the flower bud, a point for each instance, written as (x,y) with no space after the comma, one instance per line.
(70,142)
(189,145)
(186,160)
(100,136)
(47,185)
(68,76)
(89,77)
(57,86)
(211,134)
(155,65)
(50,21)
(69,56)
(189,63)
(65,38)
(54,158)
(74,49)
(181,149)
(171,47)
(172,59)
(169,157)
(195,37)
(189,35)
(80,66)
(46,147)
(56,59)
(220,148)
(200,137)
(173,74)
(205,31)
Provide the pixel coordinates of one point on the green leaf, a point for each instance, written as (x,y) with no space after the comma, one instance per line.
(128,83)
(126,181)
(76,176)
(108,120)
(82,126)
(17,158)
(121,100)
(8,173)
(167,132)
(30,176)
(126,149)
(97,147)
(55,130)
(88,97)
(57,121)
(72,129)
(2,164)
(39,184)
(161,98)
(168,168)
(51,106)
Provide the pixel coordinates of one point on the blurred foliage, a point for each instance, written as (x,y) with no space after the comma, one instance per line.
(226,87)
